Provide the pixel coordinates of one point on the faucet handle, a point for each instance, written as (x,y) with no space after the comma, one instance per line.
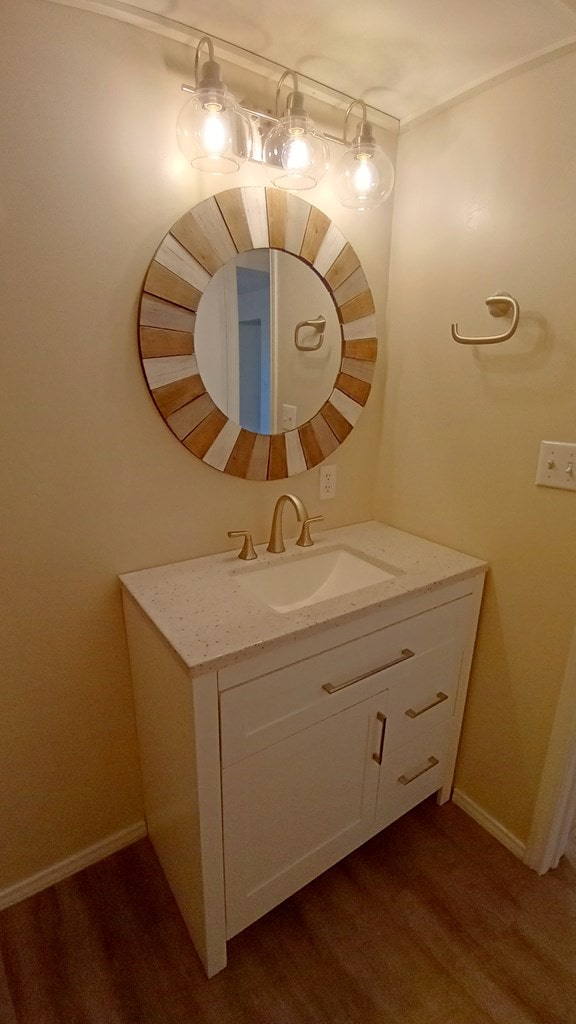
(247,553)
(305,540)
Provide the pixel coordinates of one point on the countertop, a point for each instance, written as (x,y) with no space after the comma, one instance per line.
(205,613)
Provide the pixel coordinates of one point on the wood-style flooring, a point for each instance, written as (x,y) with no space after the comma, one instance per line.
(432,922)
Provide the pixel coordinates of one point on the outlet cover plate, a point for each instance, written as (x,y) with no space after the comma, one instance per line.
(557,465)
(289,417)
(327,484)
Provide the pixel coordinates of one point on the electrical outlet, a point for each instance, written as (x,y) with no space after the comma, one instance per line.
(288,417)
(327,487)
(557,465)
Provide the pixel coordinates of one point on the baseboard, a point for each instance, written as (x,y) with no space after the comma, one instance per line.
(510,841)
(64,868)
(570,851)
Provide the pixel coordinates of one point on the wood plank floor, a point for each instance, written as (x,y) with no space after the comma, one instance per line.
(432,922)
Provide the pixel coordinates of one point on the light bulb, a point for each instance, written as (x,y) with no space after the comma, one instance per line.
(214,134)
(294,151)
(364,175)
(296,155)
(213,131)
(214,137)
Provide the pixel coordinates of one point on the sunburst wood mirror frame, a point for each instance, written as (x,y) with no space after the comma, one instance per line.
(197,246)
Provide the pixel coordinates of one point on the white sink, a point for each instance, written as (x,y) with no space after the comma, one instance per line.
(300,581)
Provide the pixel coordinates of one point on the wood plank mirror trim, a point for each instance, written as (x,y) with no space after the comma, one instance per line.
(195,248)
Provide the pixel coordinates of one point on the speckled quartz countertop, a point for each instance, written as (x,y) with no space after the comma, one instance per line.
(211,620)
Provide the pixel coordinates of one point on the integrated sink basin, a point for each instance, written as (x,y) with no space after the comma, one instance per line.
(311,578)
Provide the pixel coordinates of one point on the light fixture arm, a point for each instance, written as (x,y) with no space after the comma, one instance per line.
(210,45)
(364,134)
(295,101)
(210,70)
(349,110)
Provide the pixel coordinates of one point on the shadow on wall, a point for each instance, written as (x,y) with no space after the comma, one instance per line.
(487,754)
(533,346)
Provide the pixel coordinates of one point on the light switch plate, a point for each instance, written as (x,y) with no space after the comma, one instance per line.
(557,465)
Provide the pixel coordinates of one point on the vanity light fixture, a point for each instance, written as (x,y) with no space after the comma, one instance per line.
(365,175)
(217,134)
(294,149)
(212,129)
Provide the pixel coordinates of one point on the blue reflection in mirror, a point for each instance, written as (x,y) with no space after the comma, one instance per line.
(254,342)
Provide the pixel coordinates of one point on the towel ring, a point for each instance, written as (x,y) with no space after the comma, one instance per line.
(500,304)
(318,325)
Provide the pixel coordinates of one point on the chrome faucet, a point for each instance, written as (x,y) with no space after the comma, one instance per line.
(276,542)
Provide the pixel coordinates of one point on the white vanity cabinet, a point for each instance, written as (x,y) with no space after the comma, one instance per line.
(263,769)
(320,754)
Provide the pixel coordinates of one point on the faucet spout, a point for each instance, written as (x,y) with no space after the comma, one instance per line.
(276,542)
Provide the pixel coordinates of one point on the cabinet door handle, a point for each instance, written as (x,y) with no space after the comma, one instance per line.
(378,757)
(405,780)
(333,688)
(440,697)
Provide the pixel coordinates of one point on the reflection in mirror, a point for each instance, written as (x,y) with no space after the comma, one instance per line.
(245,341)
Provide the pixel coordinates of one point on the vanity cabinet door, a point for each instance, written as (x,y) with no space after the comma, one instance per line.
(295,808)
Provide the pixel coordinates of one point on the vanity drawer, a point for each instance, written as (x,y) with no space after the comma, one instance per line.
(411,773)
(276,705)
(426,699)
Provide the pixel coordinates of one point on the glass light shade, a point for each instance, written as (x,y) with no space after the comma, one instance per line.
(213,132)
(365,176)
(295,153)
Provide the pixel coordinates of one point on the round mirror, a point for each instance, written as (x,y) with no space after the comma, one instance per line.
(268,341)
(257,333)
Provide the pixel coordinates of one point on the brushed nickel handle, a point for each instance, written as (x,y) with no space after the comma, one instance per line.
(378,757)
(305,540)
(333,688)
(405,780)
(247,553)
(440,698)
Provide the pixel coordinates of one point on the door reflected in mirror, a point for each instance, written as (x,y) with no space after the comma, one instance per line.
(245,341)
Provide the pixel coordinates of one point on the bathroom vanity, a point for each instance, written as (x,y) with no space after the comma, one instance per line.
(276,737)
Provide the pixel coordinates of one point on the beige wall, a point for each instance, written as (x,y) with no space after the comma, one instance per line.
(302,376)
(485,201)
(93,483)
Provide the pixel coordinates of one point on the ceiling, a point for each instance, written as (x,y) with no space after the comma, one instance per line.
(404,57)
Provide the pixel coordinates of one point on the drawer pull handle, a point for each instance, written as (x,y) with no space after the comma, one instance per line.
(333,688)
(440,698)
(378,757)
(405,780)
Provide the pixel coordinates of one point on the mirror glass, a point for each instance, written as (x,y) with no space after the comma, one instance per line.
(268,341)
